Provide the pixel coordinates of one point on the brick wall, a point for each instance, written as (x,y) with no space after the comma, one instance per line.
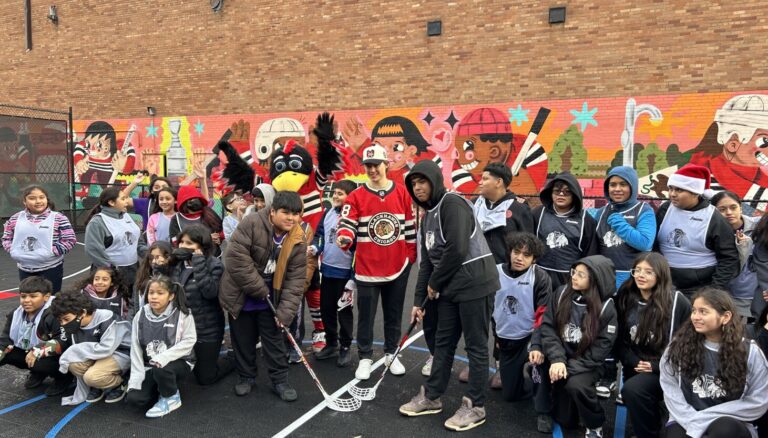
(111,59)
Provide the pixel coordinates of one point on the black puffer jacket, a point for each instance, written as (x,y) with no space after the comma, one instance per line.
(201,286)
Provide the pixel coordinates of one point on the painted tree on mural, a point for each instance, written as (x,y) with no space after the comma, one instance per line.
(650,159)
(677,158)
(618,158)
(568,153)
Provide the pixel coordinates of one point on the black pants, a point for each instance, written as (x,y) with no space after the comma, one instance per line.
(163,381)
(54,275)
(45,366)
(246,330)
(570,400)
(723,427)
(513,355)
(429,325)
(392,298)
(210,366)
(642,396)
(470,318)
(331,289)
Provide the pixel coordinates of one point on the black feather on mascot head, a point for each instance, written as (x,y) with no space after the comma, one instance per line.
(291,167)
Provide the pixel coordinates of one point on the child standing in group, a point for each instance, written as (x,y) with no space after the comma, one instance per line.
(159,223)
(192,208)
(336,271)
(98,356)
(112,237)
(577,334)
(715,382)
(199,272)
(234,209)
(24,342)
(107,291)
(163,338)
(145,206)
(518,309)
(37,237)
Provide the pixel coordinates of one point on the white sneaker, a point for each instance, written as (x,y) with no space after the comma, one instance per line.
(426,370)
(364,369)
(164,406)
(346,300)
(397,369)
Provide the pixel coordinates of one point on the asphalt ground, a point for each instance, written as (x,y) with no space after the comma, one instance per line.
(215,411)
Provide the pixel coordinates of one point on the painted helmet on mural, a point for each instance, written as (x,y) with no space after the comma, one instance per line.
(270,131)
(484,121)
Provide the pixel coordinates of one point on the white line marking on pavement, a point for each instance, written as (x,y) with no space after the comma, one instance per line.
(63,278)
(320,406)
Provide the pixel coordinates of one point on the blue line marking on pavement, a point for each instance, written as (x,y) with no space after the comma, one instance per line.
(22,404)
(556,431)
(63,422)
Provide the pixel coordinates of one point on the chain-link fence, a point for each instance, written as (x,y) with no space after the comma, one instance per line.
(35,149)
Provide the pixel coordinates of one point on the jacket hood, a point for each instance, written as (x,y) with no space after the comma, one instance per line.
(188,192)
(573,185)
(604,274)
(431,171)
(269,194)
(629,175)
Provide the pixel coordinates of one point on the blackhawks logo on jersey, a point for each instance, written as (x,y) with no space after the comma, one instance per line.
(384,229)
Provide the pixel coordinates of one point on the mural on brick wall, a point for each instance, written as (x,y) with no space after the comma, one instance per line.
(727,132)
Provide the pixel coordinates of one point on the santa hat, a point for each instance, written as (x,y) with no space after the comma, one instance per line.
(692,178)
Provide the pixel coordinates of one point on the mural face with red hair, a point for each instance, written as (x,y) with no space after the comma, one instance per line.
(484,136)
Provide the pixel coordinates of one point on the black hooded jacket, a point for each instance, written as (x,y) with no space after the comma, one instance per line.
(451,277)
(556,350)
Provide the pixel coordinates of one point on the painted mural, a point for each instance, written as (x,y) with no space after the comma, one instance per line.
(727,132)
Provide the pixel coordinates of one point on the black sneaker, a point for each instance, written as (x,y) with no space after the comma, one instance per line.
(345,357)
(114,395)
(94,395)
(327,352)
(34,380)
(294,356)
(59,386)
(285,391)
(244,386)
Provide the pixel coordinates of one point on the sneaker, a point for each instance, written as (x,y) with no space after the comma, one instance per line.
(58,387)
(346,300)
(364,369)
(114,395)
(464,375)
(426,370)
(544,424)
(164,406)
(326,353)
(604,388)
(318,341)
(294,356)
(244,386)
(467,417)
(594,433)
(34,380)
(397,369)
(285,391)
(258,345)
(345,357)
(94,395)
(496,380)
(421,405)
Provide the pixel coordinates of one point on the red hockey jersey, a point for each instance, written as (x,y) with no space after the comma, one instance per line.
(382,222)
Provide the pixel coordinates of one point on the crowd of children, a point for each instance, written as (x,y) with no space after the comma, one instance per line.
(565,292)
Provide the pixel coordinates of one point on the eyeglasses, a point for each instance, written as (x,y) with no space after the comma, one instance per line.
(157,258)
(562,191)
(734,208)
(579,274)
(636,272)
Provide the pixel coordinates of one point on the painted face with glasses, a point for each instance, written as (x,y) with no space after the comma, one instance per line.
(580,277)
(644,275)
(562,197)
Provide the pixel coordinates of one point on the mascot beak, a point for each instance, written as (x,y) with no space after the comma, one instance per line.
(289,181)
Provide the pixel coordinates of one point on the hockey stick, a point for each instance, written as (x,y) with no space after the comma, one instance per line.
(538,123)
(369,394)
(337,404)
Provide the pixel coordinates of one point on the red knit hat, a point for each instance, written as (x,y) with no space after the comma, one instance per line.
(485,121)
(692,178)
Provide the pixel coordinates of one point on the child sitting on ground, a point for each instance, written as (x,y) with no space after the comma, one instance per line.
(106,290)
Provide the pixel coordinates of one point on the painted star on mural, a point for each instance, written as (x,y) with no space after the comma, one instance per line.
(151,130)
(199,128)
(452,120)
(428,118)
(584,117)
(518,115)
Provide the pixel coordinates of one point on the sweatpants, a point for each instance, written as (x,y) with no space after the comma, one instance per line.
(210,367)
(513,355)
(571,400)
(45,366)
(472,319)
(163,381)
(102,374)
(337,323)
(642,396)
(246,330)
(54,275)
(723,427)
(392,297)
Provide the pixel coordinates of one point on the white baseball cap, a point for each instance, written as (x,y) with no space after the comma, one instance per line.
(374,154)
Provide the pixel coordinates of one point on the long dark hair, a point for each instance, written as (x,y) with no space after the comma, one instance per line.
(30,188)
(653,323)
(107,195)
(590,325)
(155,196)
(145,266)
(686,351)
(117,283)
(179,299)
(199,234)
(760,235)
